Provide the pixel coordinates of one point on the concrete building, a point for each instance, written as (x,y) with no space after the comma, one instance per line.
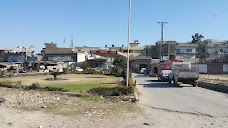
(216,49)
(173,50)
(134,49)
(186,52)
(52,53)
(3,54)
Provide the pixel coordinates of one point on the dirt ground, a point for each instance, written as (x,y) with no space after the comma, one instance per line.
(148,117)
(216,77)
(32,109)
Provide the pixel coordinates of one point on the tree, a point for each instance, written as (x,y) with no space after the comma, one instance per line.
(4,73)
(197,38)
(201,48)
(55,74)
(85,65)
(119,68)
(120,61)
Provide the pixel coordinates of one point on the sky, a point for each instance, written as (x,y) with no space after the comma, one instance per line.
(97,23)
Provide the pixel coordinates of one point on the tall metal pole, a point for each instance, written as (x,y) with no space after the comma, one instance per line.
(128,45)
(161,43)
(168,48)
(72,41)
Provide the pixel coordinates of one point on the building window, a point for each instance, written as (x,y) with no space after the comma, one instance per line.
(188,50)
(221,50)
(177,50)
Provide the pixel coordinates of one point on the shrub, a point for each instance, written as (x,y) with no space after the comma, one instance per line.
(6,83)
(124,74)
(85,65)
(92,71)
(4,73)
(65,70)
(18,82)
(114,91)
(131,82)
(10,84)
(34,86)
(117,71)
(49,88)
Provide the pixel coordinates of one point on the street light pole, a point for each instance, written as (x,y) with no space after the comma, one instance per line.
(128,45)
(161,43)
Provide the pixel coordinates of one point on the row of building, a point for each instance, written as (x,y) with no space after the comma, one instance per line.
(24,57)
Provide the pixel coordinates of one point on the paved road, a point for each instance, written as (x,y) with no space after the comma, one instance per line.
(195,100)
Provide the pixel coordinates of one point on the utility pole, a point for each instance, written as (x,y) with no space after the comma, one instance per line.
(72,42)
(161,43)
(128,44)
(168,48)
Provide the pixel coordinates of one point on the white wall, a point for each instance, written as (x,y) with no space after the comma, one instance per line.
(80,57)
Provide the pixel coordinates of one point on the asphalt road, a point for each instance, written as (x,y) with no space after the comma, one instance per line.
(184,98)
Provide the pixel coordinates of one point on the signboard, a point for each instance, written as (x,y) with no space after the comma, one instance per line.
(225,67)
(103,52)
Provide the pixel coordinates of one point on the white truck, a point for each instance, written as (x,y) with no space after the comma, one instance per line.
(184,72)
(163,75)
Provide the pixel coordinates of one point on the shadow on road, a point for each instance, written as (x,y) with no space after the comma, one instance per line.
(164,85)
(153,80)
(160,85)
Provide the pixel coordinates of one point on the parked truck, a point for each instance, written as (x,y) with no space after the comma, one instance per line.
(184,72)
(163,69)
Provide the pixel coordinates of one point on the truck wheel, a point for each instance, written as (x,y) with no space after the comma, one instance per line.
(195,83)
(175,81)
(170,81)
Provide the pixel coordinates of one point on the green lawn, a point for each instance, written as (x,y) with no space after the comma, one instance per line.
(83,82)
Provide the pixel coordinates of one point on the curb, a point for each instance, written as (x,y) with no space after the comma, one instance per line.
(213,86)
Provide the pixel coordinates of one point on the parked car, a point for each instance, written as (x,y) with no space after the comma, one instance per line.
(142,70)
(79,69)
(22,71)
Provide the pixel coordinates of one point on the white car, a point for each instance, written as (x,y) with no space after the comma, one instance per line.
(79,69)
(142,70)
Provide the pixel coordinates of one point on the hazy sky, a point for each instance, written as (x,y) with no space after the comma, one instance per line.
(101,22)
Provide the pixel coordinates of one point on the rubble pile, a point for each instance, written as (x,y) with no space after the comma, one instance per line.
(19,98)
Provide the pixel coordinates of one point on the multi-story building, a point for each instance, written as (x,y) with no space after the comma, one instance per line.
(186,52)
(21,54)
(216,49)
(173,50)
(3,54)
(52,53)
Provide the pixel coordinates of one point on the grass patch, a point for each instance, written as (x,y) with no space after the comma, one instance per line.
(81,87)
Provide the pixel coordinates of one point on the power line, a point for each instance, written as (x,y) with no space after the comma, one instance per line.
(211,19)
(178,8)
